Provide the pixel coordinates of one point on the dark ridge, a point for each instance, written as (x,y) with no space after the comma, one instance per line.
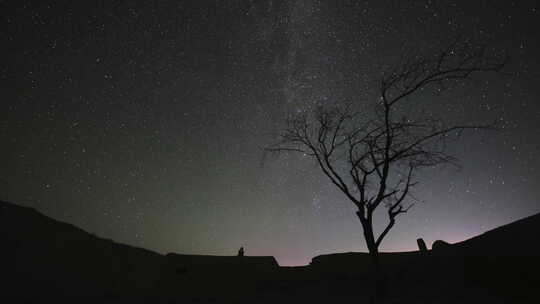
(519,238)
(47,260)
(45,257)
(58,258)
(27,222)
(202,261)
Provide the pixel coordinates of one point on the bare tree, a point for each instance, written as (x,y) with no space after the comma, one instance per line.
(373,155)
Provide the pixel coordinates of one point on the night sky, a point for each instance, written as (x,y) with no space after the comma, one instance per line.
(145,121)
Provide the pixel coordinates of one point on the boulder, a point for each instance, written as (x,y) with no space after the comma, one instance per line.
(421,245)
(440,245)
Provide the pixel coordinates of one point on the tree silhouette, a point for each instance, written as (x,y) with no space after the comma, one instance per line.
(373,154)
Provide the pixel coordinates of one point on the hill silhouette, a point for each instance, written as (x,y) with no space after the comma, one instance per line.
(502,263)
(48,260)
(520,238)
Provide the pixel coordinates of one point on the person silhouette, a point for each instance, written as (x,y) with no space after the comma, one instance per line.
(241,252)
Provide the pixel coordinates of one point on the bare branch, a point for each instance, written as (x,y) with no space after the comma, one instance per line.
(373,156)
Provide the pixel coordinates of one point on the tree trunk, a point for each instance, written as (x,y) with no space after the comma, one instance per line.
(378,275)
(372,248)
(367,227)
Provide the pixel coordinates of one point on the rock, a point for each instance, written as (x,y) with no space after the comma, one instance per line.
(440,245)
(421,245)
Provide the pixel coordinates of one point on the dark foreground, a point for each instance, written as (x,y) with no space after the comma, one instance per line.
(44,261)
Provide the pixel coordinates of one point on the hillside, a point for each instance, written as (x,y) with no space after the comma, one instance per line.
(48,260)
(58,258)
(519,238)
(502,263)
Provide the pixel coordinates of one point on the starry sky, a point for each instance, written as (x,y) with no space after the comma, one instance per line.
(144,121)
